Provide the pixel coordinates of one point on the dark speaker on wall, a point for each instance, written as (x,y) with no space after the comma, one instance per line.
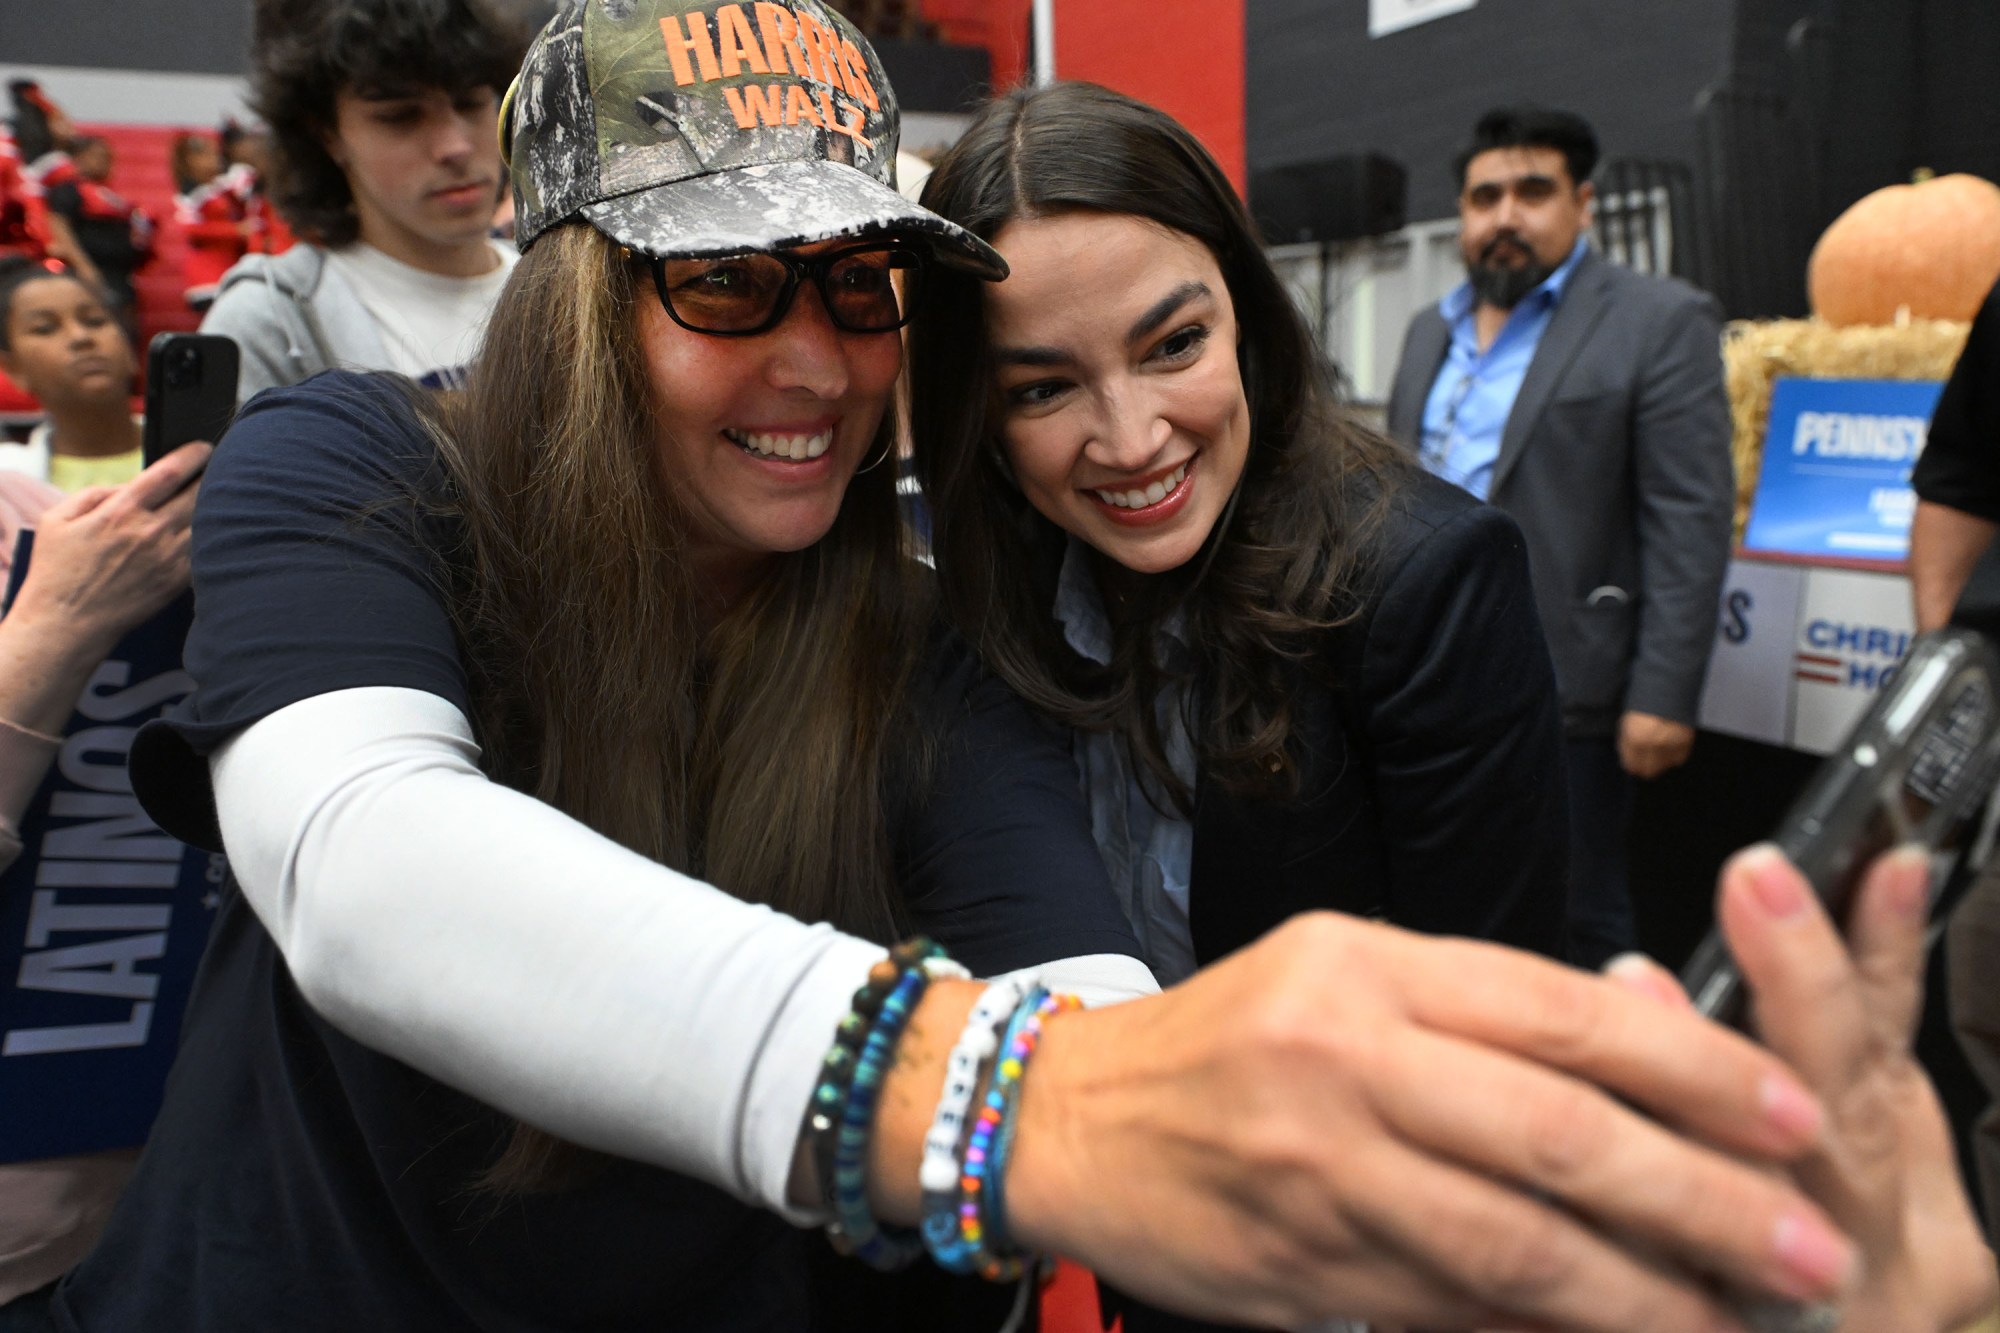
(1336,199)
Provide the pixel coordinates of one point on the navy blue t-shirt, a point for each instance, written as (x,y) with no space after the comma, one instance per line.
(299,1180)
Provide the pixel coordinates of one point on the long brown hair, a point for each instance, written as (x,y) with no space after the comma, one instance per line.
(595,687)
(1284,561)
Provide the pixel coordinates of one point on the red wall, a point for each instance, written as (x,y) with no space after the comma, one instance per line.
(1189,64)
(1001,26)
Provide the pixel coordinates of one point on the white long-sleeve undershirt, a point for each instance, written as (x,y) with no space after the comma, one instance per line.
(503,948)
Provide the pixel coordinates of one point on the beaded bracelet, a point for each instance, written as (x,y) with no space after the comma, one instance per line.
(996,1175)
(981,1223)
(854,1229)
(944,1145)
(837,1067)
(842,1115)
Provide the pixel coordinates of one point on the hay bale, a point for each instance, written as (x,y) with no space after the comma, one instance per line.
(1757,352)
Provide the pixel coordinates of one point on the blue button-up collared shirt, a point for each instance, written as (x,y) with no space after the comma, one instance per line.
(1148,848)
(1466,412)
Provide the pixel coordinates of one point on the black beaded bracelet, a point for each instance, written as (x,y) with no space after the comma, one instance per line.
(840,1118)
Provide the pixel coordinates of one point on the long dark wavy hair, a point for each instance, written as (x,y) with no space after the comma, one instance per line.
(756,753)
(1283,563)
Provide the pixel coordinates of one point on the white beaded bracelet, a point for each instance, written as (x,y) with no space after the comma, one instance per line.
(976,1045)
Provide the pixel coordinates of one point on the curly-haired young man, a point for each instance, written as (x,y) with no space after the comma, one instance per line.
(386,161)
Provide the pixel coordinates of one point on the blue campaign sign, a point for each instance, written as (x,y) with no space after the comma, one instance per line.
(1836,473)
(102,921)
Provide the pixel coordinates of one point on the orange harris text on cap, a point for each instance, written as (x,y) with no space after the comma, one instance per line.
(774,104)
(780,43)
(790,45)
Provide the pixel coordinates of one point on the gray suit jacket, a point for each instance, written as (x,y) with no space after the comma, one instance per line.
(1615,462)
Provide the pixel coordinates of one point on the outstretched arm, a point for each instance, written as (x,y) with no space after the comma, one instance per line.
(1343,1118)
(1348,1119)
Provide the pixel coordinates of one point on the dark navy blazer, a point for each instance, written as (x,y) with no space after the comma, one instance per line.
(1431,744)
(1432,788)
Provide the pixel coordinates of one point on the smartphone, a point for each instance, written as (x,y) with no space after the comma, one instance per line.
(1917,768)
(190,390)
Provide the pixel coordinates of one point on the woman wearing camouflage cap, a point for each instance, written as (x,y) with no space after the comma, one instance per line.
(637,601)
(540,726)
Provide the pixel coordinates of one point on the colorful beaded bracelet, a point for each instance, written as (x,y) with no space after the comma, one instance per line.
(996,1177)
(842,1116)
(944,1146)
(981,1223)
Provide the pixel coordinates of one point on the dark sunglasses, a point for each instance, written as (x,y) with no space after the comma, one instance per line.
(736,296)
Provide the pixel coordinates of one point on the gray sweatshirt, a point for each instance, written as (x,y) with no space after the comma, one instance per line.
(292,315)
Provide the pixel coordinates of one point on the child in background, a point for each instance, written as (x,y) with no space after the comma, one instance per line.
(195,159)
(225,218)
(116,233)
(59,341)
(34,148)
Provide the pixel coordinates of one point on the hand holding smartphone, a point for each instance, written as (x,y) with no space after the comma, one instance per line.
(190,390)
(1917,771)
(1917,768)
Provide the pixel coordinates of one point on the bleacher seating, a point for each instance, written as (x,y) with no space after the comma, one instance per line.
(140,171)
(18,407)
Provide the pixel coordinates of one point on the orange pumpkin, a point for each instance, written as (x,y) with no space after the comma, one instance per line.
(1933,247)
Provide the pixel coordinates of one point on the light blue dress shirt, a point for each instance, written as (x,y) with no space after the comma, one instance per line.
(1474,390)
(1147,849)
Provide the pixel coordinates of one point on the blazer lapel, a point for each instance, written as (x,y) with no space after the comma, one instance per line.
(1582,305)
(1430,338)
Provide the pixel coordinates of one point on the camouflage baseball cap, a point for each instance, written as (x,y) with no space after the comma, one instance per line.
(684,128)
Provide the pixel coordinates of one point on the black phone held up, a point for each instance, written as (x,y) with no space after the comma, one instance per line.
(1917,769)
(190,390)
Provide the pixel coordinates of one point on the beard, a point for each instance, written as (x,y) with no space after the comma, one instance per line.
(1501,286)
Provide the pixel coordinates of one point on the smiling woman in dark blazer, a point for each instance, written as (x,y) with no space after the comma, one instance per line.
(1299,673)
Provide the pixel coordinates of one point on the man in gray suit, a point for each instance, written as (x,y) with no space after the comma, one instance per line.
(1586,400)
